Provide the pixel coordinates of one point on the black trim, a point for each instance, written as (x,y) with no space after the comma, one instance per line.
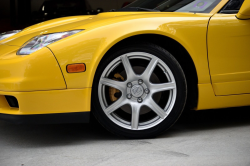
(225,11)
(79,117)
(12,101)
(229,11)
(241,18)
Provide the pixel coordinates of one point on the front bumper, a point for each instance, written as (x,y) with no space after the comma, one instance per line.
(39,71)
(55,106)
(38,85)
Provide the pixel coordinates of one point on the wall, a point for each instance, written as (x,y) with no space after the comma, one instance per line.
(5,23)
(36,4)
(4,8)
(105,4)
(12,21)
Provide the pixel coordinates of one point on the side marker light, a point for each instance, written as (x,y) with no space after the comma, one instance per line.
(76,68)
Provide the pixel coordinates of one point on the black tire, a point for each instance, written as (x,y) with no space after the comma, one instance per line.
(180,99)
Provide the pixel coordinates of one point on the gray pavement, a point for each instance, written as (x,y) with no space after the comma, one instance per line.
(211,137)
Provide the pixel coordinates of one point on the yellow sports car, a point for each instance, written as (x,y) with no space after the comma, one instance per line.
(135,68)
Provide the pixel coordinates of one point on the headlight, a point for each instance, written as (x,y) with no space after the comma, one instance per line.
(8,34)
(39,42)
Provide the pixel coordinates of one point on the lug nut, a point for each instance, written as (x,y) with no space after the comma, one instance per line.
(129,85)
(140,82)
(147,91)
(140,100)
(129,96)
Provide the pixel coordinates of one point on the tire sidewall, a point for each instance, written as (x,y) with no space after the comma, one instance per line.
(180,101)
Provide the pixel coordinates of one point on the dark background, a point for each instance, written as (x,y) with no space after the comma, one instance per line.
(19,14)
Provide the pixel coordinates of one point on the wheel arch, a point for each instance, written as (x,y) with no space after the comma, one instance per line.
(177,50)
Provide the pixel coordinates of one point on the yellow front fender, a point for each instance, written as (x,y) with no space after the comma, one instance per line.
(90,46)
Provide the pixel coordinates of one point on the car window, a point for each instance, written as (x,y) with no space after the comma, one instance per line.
(192,6)
(199,6)
(232,7)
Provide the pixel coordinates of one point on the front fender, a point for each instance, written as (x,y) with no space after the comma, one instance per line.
(91,46)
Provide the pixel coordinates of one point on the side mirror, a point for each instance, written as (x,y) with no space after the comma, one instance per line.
(244,12)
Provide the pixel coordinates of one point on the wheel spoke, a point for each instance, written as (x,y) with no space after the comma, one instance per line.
(162,87)
(137,91)
(156,108)
(135,116)
(119,103)
(150,68)
(112,83)
(128,68)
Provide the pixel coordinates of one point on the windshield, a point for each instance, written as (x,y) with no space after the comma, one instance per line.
(194,6)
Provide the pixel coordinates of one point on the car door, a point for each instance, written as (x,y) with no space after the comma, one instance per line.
(228,41)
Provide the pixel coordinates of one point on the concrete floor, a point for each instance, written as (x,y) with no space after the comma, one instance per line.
(211,137)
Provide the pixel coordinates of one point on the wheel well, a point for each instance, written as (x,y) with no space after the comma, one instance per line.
(178,51)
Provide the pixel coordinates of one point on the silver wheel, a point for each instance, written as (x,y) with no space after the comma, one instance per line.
(139,95)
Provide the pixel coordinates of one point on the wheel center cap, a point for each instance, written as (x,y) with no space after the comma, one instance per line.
(137,90)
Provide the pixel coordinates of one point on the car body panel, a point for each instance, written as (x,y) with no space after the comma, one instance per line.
(244,13)
(90,46)
(29,73)
(229,54)
(52,26)
(8,52)
(208,100)
(47,102)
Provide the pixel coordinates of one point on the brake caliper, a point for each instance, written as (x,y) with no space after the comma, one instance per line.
(115,94)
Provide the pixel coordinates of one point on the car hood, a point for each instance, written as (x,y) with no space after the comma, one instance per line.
(81,22)
(52,26)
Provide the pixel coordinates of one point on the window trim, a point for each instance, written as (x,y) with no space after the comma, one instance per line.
(222,11)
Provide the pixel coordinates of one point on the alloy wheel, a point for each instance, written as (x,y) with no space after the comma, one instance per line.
(137,91)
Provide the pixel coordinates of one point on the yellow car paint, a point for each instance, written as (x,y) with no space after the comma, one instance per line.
(90,46)
(47,102)
(244,12)
(29,73)
(228,53)
(207,99)
(52,26)
(42,85)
